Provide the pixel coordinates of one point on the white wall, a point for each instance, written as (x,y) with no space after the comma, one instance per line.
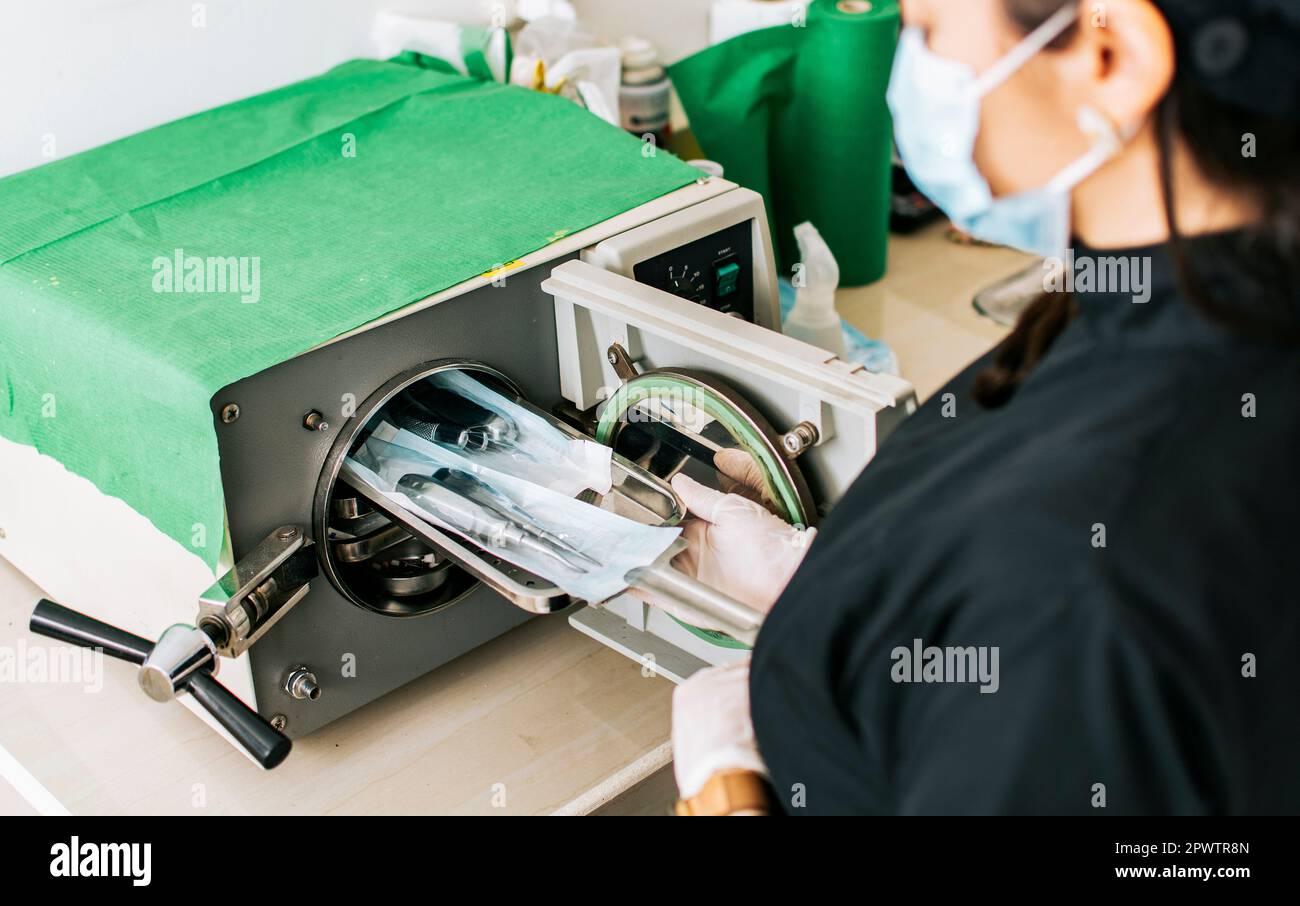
(677,27)
(77,73)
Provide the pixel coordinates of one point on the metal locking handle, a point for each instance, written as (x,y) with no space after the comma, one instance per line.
(233,614)
(266,744)
(693,600)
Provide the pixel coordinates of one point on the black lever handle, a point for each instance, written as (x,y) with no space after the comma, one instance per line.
(67,625)
(267,745)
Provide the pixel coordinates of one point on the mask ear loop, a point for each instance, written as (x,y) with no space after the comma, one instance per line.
(1026,50)
(1107,141)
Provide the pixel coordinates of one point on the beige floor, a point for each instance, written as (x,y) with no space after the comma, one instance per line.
(541,720)
(13,803)
(923,307)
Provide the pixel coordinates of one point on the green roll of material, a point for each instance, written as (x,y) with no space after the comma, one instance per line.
(798,114)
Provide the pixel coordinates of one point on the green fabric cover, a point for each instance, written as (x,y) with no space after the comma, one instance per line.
(798,114)
(450,178)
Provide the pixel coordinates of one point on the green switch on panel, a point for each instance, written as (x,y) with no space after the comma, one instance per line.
(726,277)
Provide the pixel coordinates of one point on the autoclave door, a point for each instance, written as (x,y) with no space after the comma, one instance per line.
(826,415)
(669,384)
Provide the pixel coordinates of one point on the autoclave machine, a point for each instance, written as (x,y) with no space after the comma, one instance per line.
(678,294)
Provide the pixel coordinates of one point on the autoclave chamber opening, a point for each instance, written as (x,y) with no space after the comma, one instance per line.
(372,561)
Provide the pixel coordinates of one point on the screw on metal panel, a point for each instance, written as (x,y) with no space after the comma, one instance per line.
(314,421)
(279,722)
(229,412)
(799,438)
(288,533)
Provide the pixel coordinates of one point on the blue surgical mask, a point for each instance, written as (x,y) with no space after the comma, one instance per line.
(936,106)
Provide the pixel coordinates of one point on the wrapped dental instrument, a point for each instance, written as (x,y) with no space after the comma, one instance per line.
(582,548)
(473,488)
(442,416)
(497,431)
(485,524)
(590,553)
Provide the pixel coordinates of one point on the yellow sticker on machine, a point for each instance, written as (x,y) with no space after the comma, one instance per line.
(502,268)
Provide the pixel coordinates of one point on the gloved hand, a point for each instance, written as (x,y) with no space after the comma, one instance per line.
(740,474)
(736,545)
(712,730)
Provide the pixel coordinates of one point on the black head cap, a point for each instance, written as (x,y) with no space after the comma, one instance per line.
(1245,53)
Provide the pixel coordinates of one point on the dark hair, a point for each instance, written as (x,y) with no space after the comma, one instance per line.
(1265,269)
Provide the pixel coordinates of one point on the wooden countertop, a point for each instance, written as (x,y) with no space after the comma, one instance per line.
(541,720)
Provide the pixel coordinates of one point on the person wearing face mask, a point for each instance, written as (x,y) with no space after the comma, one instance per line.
(1068,583)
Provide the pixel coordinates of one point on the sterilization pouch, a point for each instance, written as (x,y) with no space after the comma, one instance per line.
(512,438)
(584,550)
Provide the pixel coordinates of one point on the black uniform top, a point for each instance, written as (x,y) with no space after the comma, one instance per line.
(1164,665)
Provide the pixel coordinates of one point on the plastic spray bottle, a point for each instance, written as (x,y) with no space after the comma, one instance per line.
(813,318)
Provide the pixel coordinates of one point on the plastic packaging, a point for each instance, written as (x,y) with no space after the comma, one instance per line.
(584,550)
(557,55)
(457,412)
(814,318)
(479,51)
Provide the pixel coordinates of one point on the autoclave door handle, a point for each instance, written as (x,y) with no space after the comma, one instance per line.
(693,598)
(182,660)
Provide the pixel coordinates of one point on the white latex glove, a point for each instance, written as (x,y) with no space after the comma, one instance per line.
(740,474)
(737,546)
(712,730)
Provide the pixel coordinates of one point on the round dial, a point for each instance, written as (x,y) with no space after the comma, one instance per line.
(688,282)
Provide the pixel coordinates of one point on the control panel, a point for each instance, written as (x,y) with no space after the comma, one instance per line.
(716,253)
(716,271)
